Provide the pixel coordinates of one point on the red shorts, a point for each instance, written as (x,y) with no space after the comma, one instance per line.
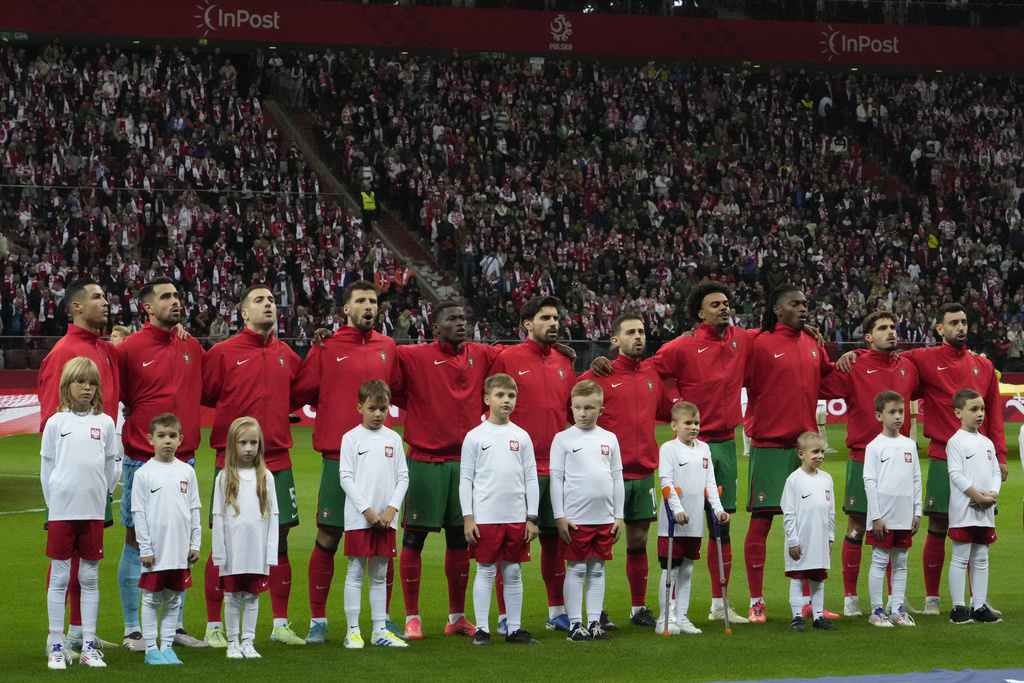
(983,535)
(589,540)
(371,543)
(65,537)
(245,583)
(172,579)
(809,575)
(501,542)
(682,547)
(893,539)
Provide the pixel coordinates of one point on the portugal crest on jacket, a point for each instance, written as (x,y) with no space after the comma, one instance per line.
(383,356)
(188,361)
(975,370)
(561,373)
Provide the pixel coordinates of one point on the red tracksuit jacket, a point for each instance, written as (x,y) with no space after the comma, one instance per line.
(442,394)
(944,370)
(247,377)
(709,371)
(160,374)
(783,380)
(330,377)
(634,399)
(873,373)
(79,342)
(545,379)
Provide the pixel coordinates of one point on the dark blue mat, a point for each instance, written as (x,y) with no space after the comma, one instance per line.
(936,676)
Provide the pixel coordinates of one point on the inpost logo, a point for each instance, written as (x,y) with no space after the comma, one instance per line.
(835,43)
(212,18)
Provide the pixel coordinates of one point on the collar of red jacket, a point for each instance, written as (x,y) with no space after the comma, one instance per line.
(625,363)
(157,332)
(954,351)
(786,330)
(81,333)
(353,334)
(537,347)
(257,338)
(709,333)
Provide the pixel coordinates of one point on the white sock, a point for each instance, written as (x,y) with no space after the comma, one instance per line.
(56,594)
(717,604)
(876,576)
(557,611)
(575,575)
(76,631)
(318,620)
(512,575)
(979,575)
(595,589)
(214,624)
(233,616)
(754,601)
(899,577)
(483,585)
(354,591)
(89,578)
(685,575)
(169,619)
(664,591)
(149,617)
(410,617)
(958,572)
(796,596)
(635,609)
(818,598)
(377,568)
(250,614)
(278,623)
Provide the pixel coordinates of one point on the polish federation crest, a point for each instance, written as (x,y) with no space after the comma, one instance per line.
(828,495)
(183,485)
(389,452)
(987,452)
(513,446)
(705,463)
(908,457)
(95,433)
(606,450)
(383,356)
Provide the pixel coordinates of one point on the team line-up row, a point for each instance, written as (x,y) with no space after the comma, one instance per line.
(440,385)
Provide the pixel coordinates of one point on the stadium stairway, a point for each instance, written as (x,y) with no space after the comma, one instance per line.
(434,281)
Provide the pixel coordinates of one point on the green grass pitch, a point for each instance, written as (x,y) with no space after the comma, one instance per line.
(750,652)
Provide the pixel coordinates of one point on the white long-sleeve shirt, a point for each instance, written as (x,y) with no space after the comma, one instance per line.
(373,474)
(586,476)
(78,465)
(892,481)
(688,468)
(165,506)
(498,483)
(247,543)
(809,519)
(971,460)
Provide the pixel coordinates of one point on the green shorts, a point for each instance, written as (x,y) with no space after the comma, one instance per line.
(432,502)
(284,489)
(330,502)
(769,469)
(641,500)
(855,502)
(545,515)
(723,457)
(936,497)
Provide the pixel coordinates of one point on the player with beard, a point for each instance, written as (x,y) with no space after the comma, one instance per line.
(160,373)
(878,369)
(634,400)
(329,380)
(783,380)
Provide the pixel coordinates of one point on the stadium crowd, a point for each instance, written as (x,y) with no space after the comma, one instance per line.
(614,188)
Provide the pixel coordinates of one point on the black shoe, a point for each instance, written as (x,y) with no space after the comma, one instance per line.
(481,637)
(644,618)
(578,633)
(823,624)
(960,615)
(521,637)
(596,632)
(606,623)
(797,624)
(984,615)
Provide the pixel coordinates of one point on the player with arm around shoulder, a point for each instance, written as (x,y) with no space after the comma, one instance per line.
(587,498)
(892,486)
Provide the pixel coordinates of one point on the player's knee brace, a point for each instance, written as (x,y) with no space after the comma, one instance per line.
(454,538)
(414,540)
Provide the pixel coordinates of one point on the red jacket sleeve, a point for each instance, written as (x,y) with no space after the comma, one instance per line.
(213,376)
(994,409)
(306,390)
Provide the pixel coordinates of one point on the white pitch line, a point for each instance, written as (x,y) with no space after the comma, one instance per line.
(25,476)
(25,512)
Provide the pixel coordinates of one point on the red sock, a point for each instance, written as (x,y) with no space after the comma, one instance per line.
(456,570)
(716,580)
(755,552)
(933,557)
(280,587)
(807,588)
(390,583)
(213,590)
(852,551)
(552,570)
(410,567)
(321,573)
(74,594)
(636,575)
(499,590)
(888,576)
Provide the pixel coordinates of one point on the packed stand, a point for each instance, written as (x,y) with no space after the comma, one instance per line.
(125,167)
